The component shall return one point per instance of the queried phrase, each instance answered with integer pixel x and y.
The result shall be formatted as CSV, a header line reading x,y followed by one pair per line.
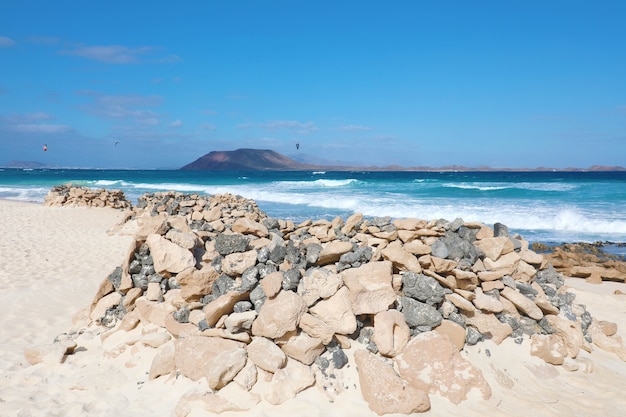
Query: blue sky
x,y
412,83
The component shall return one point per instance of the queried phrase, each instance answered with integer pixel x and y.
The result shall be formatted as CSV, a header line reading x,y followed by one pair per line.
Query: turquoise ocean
x,y
548,207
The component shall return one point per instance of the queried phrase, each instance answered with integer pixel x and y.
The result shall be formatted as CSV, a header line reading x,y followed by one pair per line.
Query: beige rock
x,y
370,287
542,300
487,303
169,257
266,355
417,247
247,226
196,283
242,337
289,381
236,263
401,259
279,315
491,275
156,339
303,348
351,223
524,272
391,333
316,328
494,247
409,224
612,344
178,329
153,293
524,304
318,283
131,296
272,284
484,232
336,312
222,305
454,331
186,240
608,328
247,377
489,326
531,257
569,331
383,389
163,362
442,266
431,362
549,347
460,302
215,358
332,251
507,263
104,304
52,353
238,322
492,285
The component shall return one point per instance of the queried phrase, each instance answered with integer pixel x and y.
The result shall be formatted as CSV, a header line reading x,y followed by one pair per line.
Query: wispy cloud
x,y
176,123
6,42
114,54
41,128
207,126
36,122
355,128
39,116
125,107
43,40
169,59
291,125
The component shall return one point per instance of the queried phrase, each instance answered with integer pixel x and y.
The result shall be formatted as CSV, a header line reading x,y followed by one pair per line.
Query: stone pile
x,y
234,297
70,195
587,261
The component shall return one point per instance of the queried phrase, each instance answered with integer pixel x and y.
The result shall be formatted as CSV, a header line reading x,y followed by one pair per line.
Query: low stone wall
x,y
238,294
76,196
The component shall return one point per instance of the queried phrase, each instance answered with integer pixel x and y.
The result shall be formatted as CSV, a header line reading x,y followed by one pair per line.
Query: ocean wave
x,y
531,186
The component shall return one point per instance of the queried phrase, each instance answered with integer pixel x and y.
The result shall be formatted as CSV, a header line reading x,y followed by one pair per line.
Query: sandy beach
x,y
53,259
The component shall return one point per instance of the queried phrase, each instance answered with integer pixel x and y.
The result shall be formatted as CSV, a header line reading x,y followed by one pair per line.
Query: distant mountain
x,y
24,164
267,160
246,160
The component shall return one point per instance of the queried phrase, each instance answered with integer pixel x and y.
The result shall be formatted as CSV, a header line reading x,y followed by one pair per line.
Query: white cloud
x,y
291,125
131,106
6,42
176,123
41,128
39,116
207,126
112,54
354,128
43,40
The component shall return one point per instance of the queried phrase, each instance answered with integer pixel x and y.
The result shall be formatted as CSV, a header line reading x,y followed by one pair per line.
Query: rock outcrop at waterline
x,y
69,195
229,296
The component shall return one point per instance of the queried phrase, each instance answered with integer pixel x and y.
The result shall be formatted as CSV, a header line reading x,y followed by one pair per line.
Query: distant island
x,y
268,160
248,159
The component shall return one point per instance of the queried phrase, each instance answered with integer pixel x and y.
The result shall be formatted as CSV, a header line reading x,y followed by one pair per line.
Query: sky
x,y
138,84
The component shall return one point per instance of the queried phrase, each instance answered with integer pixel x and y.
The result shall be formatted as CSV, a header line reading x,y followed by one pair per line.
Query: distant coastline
x,y
268,160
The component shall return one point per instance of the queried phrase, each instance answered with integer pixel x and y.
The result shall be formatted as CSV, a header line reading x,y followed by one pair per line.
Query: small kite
x,y
116,143
297,146
45,147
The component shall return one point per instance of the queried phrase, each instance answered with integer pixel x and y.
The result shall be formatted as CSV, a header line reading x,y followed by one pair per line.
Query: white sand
x,y
53,259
